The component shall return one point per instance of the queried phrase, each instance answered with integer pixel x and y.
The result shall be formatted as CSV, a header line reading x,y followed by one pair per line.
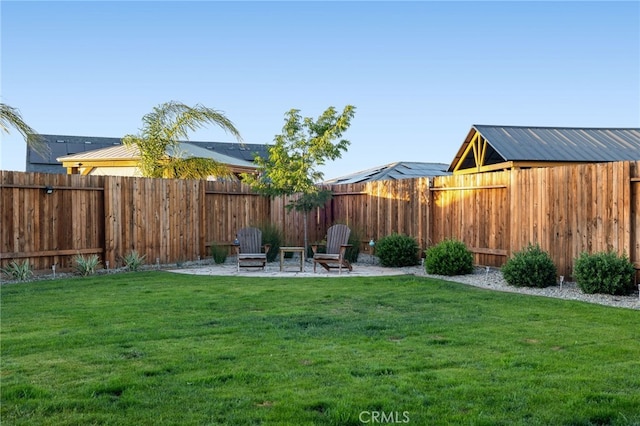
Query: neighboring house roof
x,y
246,151
118,152
394,171
489,148
64,145
125,156
190,150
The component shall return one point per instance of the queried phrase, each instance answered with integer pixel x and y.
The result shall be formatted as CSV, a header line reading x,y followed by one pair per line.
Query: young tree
x,y
292,165
164,127
10,117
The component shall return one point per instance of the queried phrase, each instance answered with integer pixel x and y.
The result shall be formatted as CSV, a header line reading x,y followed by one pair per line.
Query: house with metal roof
x,y
394,171
122,160
490,148
85,149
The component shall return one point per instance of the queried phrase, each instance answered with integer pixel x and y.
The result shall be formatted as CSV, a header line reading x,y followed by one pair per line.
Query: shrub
x,y
351,254
449,257
531,267
86,265
397,250
272,235
133,261
604,273
18,271
219,253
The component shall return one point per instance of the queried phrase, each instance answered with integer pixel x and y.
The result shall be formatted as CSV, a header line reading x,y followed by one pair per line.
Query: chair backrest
x,y
250,240
337,235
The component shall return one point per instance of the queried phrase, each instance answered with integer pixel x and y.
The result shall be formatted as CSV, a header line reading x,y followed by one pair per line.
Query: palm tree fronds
x,y
10,117
194,168
164,127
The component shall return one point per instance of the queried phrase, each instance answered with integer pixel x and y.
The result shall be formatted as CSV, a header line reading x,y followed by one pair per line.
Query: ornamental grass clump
x,y
271,235
605,273
86,265
352,252
397,250
449,257
531,267
133,261
18,271
219,253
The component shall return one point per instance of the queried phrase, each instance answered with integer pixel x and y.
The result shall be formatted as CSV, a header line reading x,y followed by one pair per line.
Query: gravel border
x,y
491,278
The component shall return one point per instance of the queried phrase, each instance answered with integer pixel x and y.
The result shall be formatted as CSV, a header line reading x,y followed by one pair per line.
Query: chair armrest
x,y
343,248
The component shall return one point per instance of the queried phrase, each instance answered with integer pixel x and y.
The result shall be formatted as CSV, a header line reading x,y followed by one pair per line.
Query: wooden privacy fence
x,y
566,209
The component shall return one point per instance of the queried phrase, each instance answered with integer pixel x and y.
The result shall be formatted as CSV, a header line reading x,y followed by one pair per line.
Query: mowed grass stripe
x,y
162,348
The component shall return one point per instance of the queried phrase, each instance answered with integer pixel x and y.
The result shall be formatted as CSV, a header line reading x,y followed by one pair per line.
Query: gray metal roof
x,y
65,145
516,143
190,150
183,150
246,151
394,171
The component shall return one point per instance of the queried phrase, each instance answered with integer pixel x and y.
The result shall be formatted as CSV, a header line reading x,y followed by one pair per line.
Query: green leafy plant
x,y
397,250
219,253
604,272
530,267
133,261
162,131
292,166
86,265
351,254
449,257
271,235
18,271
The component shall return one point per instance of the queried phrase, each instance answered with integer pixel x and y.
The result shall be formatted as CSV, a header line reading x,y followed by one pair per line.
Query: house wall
x,y
115,171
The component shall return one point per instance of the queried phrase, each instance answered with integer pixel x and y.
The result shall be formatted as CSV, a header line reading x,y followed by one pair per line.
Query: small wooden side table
x,y
284,250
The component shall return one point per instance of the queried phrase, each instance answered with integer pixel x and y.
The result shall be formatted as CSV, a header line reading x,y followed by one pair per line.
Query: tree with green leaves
x,y
10,117
164,128
292,165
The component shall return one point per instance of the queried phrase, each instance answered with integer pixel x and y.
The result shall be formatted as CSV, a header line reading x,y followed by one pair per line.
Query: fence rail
x,y
566,209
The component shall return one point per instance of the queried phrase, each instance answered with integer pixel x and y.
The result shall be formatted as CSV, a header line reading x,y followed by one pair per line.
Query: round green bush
x,y
531,267
604,273
449,257
397,250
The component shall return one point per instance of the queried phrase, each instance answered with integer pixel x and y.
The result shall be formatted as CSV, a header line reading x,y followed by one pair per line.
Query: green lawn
x,y
155,348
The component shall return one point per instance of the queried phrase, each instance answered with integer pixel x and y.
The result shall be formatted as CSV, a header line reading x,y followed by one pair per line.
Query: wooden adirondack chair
x,y
337,244
249,249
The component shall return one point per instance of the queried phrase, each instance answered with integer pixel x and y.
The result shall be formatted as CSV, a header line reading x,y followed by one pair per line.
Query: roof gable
x,y
487,146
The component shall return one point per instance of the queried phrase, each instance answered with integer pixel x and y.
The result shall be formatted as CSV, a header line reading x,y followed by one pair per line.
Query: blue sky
x,y
419,73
